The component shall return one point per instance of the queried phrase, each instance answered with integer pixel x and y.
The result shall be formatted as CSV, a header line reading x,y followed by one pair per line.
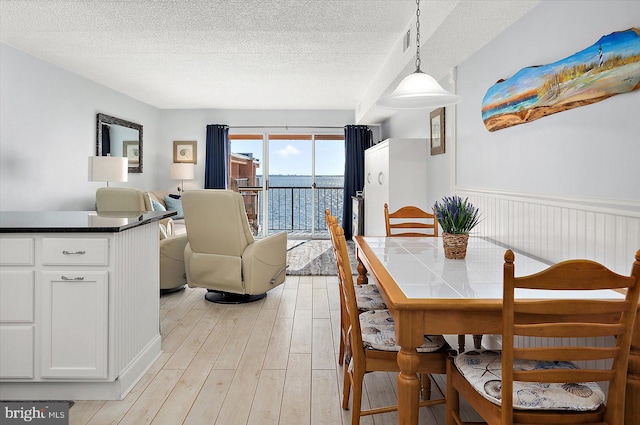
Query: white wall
x,y
566,185
48,131
191,125
589,151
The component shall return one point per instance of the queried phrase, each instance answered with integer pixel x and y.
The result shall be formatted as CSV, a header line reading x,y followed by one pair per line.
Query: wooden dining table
x,y
427,293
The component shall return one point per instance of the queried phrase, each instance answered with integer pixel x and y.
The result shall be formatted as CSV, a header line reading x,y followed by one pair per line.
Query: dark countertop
x,y
76,221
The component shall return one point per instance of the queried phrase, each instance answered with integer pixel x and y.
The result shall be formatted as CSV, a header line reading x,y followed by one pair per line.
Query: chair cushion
x,y
378,333
483,370
368,298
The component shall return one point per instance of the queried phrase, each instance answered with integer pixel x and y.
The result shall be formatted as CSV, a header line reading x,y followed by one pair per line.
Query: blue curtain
x,y
357,138
216,157
106,140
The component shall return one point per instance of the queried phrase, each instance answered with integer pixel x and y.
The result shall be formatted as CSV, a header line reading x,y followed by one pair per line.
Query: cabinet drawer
x,y
16,352
16,296
16,251
75,251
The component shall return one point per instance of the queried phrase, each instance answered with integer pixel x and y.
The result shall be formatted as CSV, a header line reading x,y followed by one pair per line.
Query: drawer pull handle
x,y
73,253
72,278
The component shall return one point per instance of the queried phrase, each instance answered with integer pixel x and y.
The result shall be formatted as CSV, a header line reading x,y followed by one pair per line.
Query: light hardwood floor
x,y
269,362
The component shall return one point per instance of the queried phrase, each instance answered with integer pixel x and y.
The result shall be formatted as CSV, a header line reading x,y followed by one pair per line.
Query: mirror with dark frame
x,y
117,137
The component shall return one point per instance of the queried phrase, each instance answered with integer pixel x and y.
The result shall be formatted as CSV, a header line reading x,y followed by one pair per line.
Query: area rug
x,y
315,258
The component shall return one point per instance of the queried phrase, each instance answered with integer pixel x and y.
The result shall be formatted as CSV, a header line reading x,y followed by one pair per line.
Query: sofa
x,y
178,223
172,244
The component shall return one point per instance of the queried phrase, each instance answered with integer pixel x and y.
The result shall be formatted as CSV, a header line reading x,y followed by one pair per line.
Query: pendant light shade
x,y
416,91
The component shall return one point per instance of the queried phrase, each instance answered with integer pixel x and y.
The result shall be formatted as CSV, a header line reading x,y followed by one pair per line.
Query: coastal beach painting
x,y
609,67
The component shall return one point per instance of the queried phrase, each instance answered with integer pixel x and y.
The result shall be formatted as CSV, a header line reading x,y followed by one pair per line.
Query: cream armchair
x,y
172,273
222,255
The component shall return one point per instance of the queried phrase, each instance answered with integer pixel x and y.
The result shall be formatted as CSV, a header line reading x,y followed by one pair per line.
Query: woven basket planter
x,y
455,245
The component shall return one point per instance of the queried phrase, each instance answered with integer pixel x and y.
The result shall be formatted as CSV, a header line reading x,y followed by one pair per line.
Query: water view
x,y
292,204
295,207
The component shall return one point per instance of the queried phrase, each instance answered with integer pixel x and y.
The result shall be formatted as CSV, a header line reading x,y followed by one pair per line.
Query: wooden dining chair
x,y
373,347
368,296
410,221
543,385
422,224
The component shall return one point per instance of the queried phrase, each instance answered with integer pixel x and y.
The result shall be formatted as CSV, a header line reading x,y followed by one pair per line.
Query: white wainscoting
x,y
561,228
135,294
556,229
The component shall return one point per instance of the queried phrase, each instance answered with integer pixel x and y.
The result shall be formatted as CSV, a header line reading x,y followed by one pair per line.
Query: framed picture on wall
x,y
131,150
437,131
185,152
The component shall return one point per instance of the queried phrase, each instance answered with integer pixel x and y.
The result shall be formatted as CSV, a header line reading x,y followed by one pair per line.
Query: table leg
x,y
408,387
477,342
461,342
631,412
362,273
409,336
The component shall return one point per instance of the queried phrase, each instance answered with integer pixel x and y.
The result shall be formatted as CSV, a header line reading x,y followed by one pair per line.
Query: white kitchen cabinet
x,y
75,320
17,307
16,351
395,173
79,304
16,296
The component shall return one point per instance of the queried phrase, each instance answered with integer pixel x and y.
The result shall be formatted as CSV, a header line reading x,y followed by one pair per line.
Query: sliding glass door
x,y
328,178
288,180
290,183
245,176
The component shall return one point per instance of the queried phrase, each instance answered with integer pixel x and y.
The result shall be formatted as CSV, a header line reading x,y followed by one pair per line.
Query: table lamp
x,y
182,171
108,168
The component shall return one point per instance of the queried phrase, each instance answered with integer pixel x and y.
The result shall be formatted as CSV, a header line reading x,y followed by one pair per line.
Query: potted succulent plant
x,y
457,217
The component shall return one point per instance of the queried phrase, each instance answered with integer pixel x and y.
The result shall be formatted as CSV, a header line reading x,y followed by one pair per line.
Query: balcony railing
x,y
297,210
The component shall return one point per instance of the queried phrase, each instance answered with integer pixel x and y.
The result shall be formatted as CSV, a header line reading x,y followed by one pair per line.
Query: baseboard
x,y
139,366
86,390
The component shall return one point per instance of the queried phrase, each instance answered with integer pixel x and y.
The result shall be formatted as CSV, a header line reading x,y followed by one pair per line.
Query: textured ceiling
x,y
278,54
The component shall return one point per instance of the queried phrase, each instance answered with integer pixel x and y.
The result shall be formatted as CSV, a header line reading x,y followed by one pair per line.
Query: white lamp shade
x,y
182,171
418,91
108,169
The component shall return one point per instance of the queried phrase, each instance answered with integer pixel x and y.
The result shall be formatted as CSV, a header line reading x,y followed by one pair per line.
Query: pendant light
x,y
418,90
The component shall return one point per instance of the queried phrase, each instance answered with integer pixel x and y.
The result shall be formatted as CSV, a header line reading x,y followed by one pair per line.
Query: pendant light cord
x,y
418,36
